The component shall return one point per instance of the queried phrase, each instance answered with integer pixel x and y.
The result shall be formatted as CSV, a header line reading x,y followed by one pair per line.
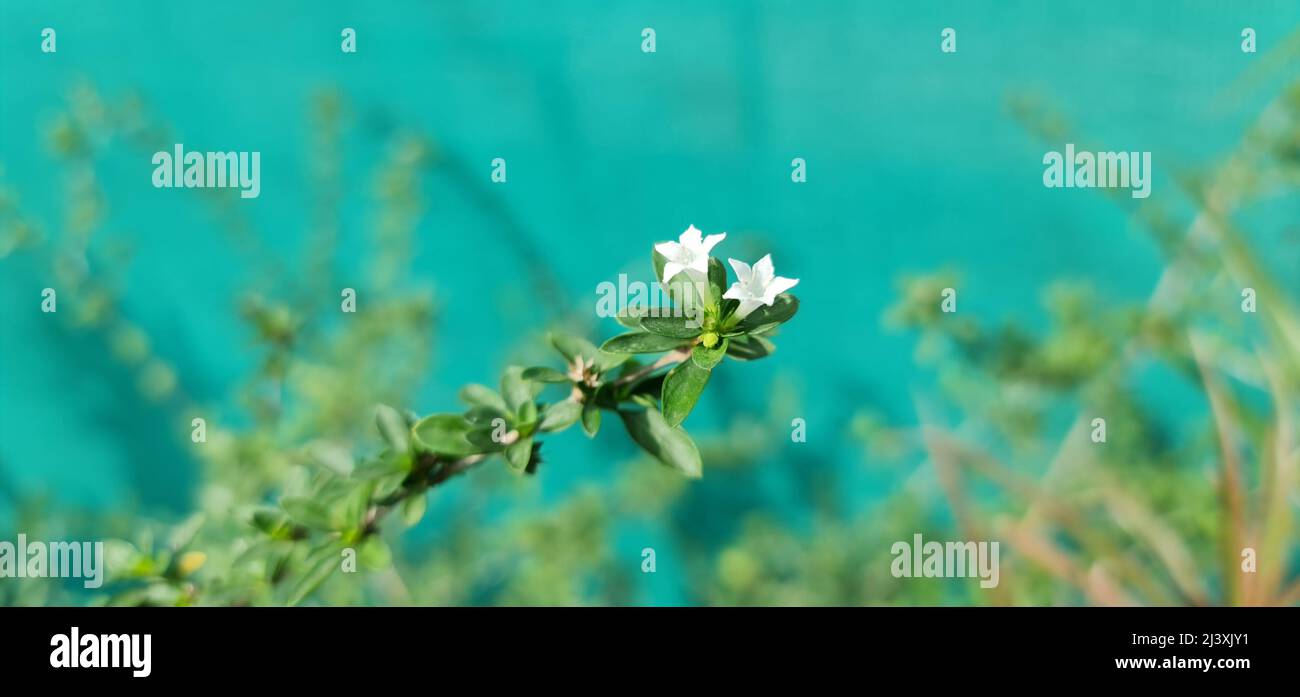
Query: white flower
x,y
758,285
688,253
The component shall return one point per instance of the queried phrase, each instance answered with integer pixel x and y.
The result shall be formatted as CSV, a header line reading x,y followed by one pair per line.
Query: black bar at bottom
x,y
257,647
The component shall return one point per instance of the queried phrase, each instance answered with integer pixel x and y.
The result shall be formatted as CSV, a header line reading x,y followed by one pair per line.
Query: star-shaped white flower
x,y
757,285
688,253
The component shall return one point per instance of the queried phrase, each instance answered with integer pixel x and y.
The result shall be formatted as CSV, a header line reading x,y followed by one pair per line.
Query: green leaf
x,y
750,348
572,347
383,465
527,413
185,533
517,390
413,508
331,456
483,396
486,438
518,453
393,427
482,416
374,554
348,508
321,566
717,279
631,318
728,307
669,444
682,388
659,261
270,521
444,434
766,317
544,374
606,361
707,358
590,418
674,327
560,416
388,485
641,342
307,512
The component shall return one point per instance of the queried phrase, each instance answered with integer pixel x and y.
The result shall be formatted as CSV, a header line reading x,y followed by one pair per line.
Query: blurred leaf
x,y
320,567
674,327
750,348
590,418
632,317
483,438
670,445
393,427
606,361
641,342
269,520
483,416
183,534
518,454
331,456
768,316
544,374
482,396
560,416
707,358
307,512
413,508
681,389
527,413
572,347
717,278
374,553
517,390
444,434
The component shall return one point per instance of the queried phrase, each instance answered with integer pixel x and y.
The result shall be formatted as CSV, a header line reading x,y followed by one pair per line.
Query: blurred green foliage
x,y
1158,514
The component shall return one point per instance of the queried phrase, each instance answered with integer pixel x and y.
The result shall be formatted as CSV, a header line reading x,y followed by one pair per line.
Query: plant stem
x,y
673,358
381,508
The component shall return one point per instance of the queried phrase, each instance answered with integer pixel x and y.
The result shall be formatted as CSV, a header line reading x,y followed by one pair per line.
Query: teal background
x,y
913,166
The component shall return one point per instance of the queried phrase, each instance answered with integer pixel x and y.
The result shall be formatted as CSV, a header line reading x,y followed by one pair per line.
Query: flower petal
x,y
743,271
670,250
712,240
781,284
671,269
690,237
746,307
763,271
